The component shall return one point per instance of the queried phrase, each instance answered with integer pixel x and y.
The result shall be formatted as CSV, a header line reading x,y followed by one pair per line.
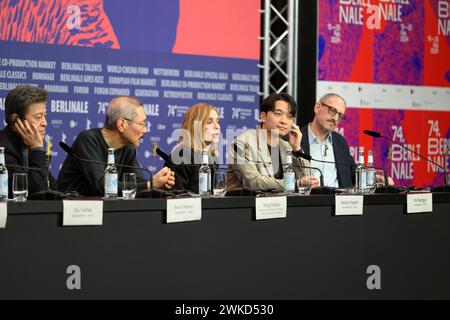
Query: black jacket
x,y
15,150
186,174
345,170
88,178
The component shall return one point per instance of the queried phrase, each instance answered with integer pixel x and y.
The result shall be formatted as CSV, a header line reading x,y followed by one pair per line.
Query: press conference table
x,y
311,254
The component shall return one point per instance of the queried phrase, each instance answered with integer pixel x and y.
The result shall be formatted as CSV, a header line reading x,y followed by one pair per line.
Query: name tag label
x,y
181,210
349,205
271,208
3,214
82,213
418,203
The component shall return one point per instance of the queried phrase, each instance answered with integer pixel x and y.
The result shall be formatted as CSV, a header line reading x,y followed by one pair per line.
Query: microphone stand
x,y
47,194
318,190
445,187
152,193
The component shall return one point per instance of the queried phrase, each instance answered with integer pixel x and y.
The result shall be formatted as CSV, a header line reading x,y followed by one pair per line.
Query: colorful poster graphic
x,y
168,53
390,61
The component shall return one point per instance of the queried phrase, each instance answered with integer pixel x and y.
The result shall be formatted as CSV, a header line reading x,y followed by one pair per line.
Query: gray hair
x,y
326,97
121,107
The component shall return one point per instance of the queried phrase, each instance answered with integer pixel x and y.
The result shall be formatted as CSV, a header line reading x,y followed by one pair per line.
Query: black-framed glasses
x,y
142,124
332,111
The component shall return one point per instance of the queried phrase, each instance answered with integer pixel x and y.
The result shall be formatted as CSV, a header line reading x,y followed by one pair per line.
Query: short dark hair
x,y
268,104
20,98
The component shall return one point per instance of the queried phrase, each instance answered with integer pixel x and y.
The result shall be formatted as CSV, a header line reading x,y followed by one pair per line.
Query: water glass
x,y
220,184
304,183
129,186
20,187
379,178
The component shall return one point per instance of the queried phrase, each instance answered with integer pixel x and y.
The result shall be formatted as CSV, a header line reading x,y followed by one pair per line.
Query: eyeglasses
x,y
141,124
332,111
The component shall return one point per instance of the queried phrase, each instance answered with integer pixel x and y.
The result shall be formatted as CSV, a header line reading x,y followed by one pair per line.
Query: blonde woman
x,y
200,133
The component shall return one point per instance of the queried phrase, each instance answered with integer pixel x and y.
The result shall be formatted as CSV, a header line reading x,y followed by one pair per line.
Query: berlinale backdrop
x,y
168,53
391,61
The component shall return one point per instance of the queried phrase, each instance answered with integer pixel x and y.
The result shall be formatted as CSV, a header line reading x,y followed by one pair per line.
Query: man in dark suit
x,y
23,137
322,142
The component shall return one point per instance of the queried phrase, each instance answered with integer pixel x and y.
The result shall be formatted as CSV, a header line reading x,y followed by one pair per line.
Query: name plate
x,y
349,205
3,214
418,203
82,213
271,207
181,210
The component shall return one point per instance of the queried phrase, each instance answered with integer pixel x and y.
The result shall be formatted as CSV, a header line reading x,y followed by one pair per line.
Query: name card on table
x,y
82,213
3,214
349,205
181,210
420,202
271,207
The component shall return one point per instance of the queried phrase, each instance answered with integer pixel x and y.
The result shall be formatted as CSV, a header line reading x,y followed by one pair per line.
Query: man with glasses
x,y
323,143
124,129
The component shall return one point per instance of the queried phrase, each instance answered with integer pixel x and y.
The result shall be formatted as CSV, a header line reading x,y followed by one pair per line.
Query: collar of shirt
x,y
313,139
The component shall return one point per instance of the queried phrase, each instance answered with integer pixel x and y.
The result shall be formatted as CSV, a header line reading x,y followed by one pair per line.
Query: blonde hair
x,y
197,113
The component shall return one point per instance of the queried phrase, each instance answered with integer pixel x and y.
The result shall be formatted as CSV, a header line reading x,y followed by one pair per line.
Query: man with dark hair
x,y
124,128
256,156
23,137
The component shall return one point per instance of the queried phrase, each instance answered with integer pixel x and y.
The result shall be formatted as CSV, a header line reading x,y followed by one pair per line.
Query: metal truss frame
x,y
279,47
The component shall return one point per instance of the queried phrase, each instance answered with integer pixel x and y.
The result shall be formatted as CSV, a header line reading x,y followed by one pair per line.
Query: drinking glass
x,y
379,178
304,183
129,186
20,187
220,184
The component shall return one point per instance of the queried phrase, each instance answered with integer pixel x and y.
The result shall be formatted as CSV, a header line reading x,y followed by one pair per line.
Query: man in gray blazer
x,y
256,157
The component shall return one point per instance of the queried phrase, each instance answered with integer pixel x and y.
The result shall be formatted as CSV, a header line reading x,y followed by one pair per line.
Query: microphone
x,y
323,189
309,158
163,155
23,167
303,155
72,153
444,188
385,189
296,154
372,133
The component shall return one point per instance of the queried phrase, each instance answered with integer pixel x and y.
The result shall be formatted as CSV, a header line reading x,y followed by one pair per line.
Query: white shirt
x,y
323,151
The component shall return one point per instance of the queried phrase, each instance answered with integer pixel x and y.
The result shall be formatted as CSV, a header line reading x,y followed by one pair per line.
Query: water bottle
x,y
111,182
289,174
370,172
361,173
3,176
204,176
